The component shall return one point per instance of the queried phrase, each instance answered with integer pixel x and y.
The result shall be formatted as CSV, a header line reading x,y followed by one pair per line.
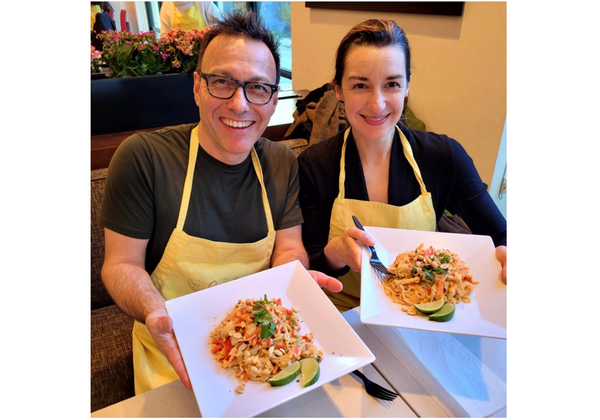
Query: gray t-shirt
x,y
145,181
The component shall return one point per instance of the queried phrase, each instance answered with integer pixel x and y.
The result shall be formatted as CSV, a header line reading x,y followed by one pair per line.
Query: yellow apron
x,y
188,20
94,10
190,264
417,215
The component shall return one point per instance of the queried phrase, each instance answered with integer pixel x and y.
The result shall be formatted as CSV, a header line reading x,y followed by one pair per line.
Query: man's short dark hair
x,y
246,25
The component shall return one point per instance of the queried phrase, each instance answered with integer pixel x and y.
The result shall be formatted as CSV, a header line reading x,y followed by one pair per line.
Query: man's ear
x,y
196,88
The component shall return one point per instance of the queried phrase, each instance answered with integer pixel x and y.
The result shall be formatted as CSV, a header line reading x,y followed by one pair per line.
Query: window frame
x,y
152,21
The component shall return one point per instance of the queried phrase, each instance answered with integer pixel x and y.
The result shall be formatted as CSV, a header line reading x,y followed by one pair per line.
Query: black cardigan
x,y
447,170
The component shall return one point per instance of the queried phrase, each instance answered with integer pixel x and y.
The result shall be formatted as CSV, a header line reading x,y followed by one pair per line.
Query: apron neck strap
x,y
411,159
407,153
265,198
342,178
189,180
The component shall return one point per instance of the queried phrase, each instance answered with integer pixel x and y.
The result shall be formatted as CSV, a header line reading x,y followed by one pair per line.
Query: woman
x,y
187,15
379,170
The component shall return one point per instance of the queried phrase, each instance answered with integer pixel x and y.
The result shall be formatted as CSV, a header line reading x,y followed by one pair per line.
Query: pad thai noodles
x,y
427,274
258,338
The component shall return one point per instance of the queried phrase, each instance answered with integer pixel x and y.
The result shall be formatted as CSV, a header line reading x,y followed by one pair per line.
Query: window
x,y
275,14
277,17
153,12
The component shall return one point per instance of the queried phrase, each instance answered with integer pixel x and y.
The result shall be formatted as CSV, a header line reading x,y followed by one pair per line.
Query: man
x,y
193,206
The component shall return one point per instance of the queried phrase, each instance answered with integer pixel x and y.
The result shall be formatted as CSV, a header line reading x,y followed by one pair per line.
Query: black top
x,y
447,170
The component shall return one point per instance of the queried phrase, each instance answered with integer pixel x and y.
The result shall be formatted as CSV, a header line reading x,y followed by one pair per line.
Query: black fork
x,y
374,260
375,390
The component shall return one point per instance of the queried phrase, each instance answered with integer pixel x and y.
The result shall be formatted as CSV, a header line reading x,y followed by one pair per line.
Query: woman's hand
x,y
501,256
346,249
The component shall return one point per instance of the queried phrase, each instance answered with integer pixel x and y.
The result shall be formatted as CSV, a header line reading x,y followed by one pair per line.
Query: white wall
x,y
130,14
458,83
459,68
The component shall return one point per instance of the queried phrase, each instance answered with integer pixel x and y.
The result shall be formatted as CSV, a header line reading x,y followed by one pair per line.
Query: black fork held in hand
x,y
374,260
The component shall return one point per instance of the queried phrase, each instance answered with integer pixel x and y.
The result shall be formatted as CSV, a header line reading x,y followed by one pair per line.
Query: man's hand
x,y
501,256
160,326
323,280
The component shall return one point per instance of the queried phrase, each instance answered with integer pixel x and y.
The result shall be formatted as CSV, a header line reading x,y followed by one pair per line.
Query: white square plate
x,y
196,315
485,316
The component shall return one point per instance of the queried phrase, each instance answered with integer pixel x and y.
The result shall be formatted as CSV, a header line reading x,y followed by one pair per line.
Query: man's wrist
x,y
156,313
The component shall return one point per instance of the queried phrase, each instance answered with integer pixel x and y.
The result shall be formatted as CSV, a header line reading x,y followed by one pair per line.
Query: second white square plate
x,y
485,316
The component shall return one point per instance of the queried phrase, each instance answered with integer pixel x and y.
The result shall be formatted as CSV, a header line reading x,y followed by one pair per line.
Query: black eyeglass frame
x,y
206,76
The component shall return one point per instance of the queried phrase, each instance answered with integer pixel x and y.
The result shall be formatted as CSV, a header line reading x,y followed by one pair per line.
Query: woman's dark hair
x,y
246,25
375,33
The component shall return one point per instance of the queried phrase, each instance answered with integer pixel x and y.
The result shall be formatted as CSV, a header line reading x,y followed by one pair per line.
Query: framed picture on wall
x,y
451,8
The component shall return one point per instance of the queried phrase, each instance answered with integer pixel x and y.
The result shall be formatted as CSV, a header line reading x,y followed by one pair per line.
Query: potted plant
x,y
137,75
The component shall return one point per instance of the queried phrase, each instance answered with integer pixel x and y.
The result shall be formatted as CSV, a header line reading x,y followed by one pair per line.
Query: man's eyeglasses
x,y
223,87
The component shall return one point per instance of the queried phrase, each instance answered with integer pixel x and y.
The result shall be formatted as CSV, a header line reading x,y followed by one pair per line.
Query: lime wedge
x,y
287,375
444,314
310,372
430,307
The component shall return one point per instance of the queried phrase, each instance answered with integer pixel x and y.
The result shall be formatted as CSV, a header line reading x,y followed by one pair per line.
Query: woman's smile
x,y
375,120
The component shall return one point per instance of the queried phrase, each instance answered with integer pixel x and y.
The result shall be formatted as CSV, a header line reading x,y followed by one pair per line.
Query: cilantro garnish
x,y
430,276
263,318
429,271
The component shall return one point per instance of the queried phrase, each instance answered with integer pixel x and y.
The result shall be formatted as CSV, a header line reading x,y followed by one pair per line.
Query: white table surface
x,y
396,367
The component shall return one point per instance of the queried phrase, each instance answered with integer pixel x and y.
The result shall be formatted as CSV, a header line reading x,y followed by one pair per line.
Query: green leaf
x,y
429,275
124,53
264,317
259,308
267,330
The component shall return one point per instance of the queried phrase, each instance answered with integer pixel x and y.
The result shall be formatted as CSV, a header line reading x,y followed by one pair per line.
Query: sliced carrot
x,y
440,289
252,335
241,317
227,347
